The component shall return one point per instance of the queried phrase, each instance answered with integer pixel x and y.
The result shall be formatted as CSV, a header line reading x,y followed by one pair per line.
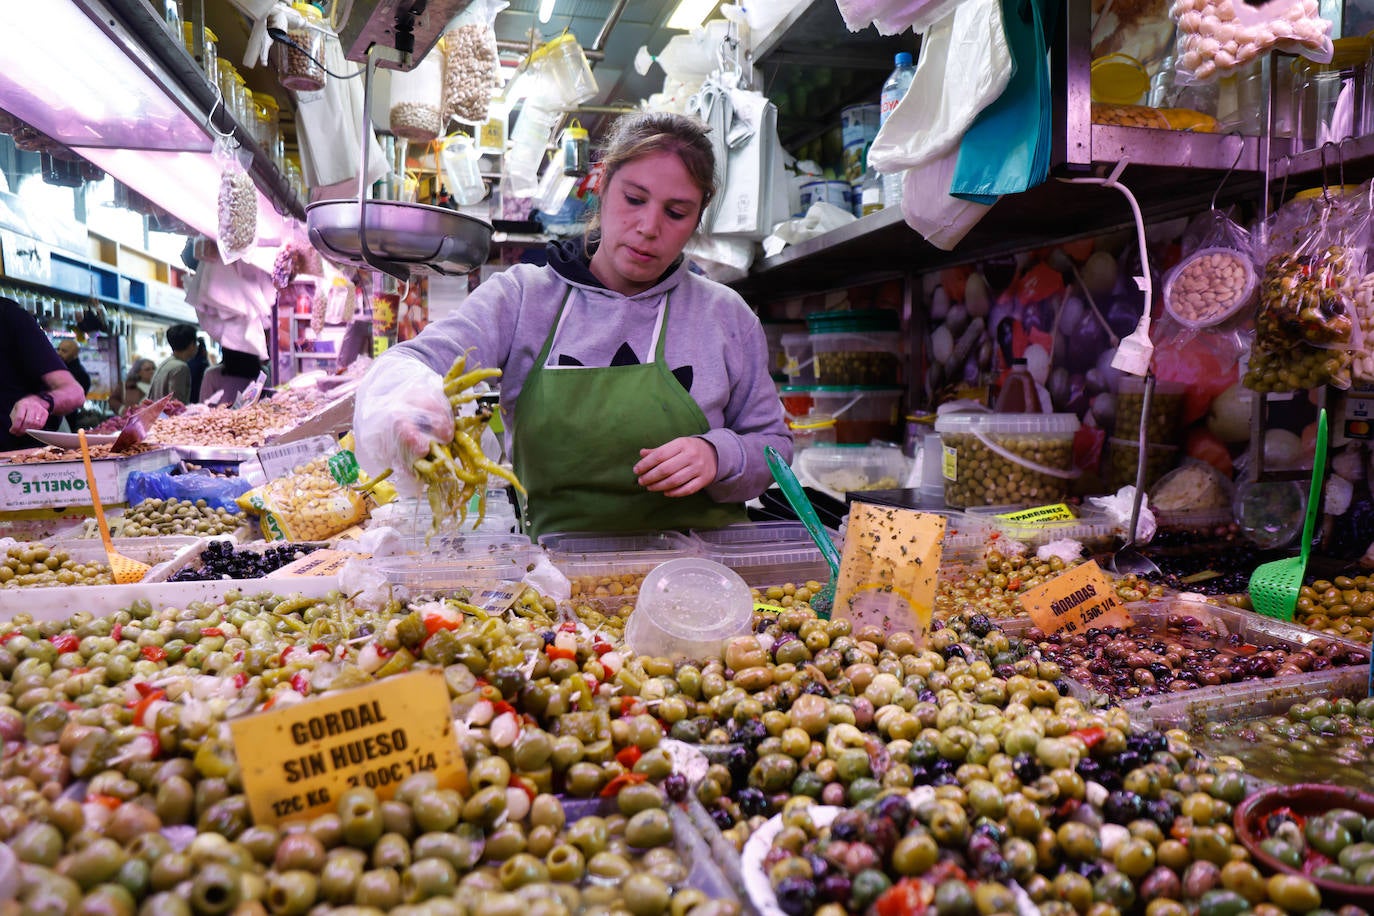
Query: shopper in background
x,y
135,387
229,377
174,375
198,364
637,391
34,382
70,351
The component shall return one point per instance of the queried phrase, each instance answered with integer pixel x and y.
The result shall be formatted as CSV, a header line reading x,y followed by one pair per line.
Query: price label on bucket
x,y
1040,515
1074,601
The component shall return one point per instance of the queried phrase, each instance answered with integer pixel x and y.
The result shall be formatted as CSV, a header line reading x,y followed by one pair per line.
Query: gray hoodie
x,y
714,345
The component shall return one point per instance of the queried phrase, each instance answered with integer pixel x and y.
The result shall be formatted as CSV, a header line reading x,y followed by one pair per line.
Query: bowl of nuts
x,y
1209,286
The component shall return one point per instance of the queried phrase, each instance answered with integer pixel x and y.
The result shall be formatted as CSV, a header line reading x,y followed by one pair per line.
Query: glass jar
x,y
244,111
269,126
1332,100
210,51
226,81
300,68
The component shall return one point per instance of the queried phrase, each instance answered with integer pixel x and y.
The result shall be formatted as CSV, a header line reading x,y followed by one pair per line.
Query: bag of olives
x,y
1011,459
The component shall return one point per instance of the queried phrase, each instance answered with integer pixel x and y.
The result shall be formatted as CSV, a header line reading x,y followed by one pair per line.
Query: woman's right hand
x,y
401,410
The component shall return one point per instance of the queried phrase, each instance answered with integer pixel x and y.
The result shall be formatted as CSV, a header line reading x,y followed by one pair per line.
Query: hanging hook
x,y
210,116
1240,150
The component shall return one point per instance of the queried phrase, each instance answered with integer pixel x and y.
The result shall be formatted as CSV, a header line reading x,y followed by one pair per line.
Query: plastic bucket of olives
x,y
1166,410
1123,457
1012,459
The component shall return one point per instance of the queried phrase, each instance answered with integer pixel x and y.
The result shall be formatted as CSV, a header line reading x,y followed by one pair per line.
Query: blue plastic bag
x,y
218,492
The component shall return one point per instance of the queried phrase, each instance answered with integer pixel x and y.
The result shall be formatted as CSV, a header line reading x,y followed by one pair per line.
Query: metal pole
x,y
611,19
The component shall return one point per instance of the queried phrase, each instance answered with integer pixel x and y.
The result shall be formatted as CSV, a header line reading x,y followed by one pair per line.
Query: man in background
x,y
174,375
70,351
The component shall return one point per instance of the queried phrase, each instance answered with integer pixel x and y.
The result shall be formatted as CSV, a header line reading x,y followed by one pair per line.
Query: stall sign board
x,y
1074,601
298,760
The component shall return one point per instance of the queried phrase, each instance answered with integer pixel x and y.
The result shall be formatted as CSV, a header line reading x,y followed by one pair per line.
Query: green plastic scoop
x,y
1274,587
823,601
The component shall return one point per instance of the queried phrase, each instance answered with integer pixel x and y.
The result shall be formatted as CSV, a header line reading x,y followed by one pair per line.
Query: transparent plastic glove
x,y
401,409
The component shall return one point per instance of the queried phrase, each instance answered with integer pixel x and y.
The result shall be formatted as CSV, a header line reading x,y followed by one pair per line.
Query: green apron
x,y
577,436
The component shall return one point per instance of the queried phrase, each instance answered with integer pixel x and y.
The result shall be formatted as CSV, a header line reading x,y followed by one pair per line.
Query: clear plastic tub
x,y
846,468
1123,458
858,358
565,64
967,537
1166,410
991,459
689,608
471,569
764,553
609,568
861,414
1236,629
799,360
1209,286
1092,528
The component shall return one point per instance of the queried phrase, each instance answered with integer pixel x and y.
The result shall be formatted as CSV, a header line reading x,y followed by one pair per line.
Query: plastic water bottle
x,y
896,86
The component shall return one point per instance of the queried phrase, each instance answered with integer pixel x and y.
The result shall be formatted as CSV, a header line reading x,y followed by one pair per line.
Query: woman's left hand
x,y
677,468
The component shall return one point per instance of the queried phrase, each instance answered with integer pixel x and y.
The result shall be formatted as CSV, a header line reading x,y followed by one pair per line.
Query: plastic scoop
x,y
140,420
125,570
1274,587
824,600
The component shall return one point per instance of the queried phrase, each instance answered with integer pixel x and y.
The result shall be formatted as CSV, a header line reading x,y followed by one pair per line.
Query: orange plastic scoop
x,y
124,569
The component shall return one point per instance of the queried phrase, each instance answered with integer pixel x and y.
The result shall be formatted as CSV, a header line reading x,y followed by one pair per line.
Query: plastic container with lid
x,y
1123,458
1118,79
851,468
764,553
300,68
799,361
1317,88
1209,286
482,560
609,568
564,63
993,459
689,608
209,58
811,429
862,413
856,348
1092,527
1165,423
269,123
776,332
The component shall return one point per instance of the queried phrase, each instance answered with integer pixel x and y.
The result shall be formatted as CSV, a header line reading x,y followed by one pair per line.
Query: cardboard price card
x,y
1075,600
887,572
297,761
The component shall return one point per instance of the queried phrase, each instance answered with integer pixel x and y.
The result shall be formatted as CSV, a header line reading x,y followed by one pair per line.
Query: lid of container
x,y
868,320
1335,190
266,100
210,35
841,389
903,59
795,337
309,11
1118,79
1001,423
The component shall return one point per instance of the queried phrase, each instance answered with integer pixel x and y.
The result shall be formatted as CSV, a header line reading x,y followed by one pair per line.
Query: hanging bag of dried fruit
x,y
1216,37
238,202
471,67
416,100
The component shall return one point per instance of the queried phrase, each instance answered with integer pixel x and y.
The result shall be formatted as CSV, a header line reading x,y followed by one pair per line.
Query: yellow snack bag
x,y
312,503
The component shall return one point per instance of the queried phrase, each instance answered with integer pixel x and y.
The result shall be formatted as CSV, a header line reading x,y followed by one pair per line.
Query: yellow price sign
x,y
297,761
1039,515
1075,600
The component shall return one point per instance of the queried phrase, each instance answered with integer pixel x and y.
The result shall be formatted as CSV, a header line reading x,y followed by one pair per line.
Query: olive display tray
x,y
1238,703
1254,628
712,863
87,530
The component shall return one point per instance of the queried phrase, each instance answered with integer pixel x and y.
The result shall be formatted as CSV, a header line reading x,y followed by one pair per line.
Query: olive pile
x,y
1143,661
984,478
120,807
1296,368
35,565
1166,413
154,517
1337,845
222,560
857,367
991,586
1324,740
1341,607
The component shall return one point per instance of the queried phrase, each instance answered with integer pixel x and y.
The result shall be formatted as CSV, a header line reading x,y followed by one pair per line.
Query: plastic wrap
x,y
312,503
471,65
417,100
1215,37
400,410
238,203
218,492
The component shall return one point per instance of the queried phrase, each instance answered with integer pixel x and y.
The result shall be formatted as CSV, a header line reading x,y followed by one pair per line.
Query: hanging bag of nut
x,y
238,202
471,67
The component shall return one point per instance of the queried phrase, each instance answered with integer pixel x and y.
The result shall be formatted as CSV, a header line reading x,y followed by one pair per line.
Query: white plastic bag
x,y
890,17
400,407
941,218
238,203
965,64
1118,508
819,219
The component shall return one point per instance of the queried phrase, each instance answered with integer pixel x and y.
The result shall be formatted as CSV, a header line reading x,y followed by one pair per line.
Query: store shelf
x,y
182,76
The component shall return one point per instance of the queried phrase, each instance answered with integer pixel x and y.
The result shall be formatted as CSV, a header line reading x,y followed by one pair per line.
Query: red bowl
x,y
1306,799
